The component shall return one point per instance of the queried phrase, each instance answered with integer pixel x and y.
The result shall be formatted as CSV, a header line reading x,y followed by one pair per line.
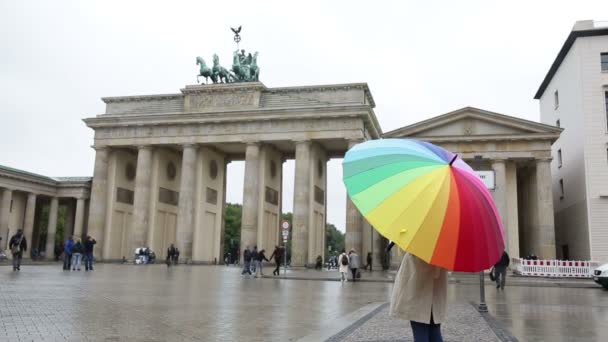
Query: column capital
x,y
302,141
499,160
100,148
144,147
543,159
353,142
189,145
252,142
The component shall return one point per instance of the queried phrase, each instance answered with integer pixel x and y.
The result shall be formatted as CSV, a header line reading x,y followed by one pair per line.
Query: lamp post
x,y
482,307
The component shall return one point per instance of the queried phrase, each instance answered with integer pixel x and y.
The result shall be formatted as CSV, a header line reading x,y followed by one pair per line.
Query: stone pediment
x,y
469,123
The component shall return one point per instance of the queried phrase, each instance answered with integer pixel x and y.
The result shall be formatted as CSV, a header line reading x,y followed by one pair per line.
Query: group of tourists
x,y
74,252
253,260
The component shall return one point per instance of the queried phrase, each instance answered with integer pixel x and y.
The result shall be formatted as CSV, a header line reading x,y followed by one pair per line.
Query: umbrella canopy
x,y
426,200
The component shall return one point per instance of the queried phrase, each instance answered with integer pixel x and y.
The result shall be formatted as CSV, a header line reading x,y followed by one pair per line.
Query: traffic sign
x,y
285,225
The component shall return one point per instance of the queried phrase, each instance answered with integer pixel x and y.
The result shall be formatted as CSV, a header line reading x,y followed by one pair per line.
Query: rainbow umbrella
x,y
426,200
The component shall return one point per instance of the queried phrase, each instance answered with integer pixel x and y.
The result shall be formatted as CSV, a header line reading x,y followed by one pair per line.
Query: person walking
x,y
369,261
354,263
67,253
260,259
89,244
77,251
500,270
17,245
171,255
278,255
419,295
176,258
343,261
254,258
246,261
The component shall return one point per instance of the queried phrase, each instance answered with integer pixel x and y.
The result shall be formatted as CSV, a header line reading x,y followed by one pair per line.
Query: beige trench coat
x,y
419,288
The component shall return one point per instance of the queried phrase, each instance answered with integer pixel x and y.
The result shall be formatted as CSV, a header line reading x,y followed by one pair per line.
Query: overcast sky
x,y
420,59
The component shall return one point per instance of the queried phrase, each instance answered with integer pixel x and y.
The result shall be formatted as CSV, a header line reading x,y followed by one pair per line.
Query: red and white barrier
x,y
554,268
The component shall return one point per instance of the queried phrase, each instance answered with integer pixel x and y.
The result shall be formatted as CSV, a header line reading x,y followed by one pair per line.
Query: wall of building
x,y
119,224
269,213
17,214
596,141
163,221
209,193
570,211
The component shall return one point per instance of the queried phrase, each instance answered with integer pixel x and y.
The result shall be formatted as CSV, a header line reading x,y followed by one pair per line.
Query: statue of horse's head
x,y
200,60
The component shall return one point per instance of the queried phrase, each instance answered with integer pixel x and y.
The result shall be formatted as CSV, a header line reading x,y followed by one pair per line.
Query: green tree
x,y
232,228
334,240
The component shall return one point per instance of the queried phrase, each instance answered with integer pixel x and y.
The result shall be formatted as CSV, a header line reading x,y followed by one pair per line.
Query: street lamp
x,y
482,307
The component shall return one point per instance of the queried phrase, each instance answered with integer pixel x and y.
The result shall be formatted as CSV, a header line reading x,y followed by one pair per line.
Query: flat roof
x,y
584,28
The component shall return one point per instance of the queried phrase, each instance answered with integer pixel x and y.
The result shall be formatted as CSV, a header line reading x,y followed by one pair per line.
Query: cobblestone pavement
x,y
213,303
463,323
151,303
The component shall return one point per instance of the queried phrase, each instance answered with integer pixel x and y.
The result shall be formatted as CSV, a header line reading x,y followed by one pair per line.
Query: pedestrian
x,y
246,261
419,295
500,270
277,254
343,261
354,262
17,244
171,255
77,251
369,261
259,260
67,253
89,244
176,258
254,258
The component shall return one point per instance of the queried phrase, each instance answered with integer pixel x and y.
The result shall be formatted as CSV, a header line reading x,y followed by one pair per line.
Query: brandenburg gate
x,y
161,160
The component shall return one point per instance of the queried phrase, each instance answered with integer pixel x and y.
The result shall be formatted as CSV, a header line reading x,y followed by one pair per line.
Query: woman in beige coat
x,y
419,295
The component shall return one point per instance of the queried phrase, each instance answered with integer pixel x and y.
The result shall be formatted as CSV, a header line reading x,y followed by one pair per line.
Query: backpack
x,y
17,247
344,260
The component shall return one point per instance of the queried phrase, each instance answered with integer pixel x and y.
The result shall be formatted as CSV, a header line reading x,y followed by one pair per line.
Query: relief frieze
x,y
203,102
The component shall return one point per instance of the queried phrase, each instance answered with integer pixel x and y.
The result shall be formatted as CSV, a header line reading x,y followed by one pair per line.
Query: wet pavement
x,y
213,303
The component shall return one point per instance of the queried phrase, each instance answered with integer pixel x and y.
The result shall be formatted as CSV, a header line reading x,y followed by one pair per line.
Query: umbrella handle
x,y
453,159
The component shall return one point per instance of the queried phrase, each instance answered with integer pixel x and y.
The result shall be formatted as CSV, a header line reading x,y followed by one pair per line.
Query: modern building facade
x,y
574,96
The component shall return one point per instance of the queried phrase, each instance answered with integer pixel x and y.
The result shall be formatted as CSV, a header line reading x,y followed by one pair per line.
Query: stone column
x,y
500,193
185,213
98,201
546,224
141,201
28,223
249,218
354,221
5,215
79,218
301,205
51,229
512,228
223,224
68,227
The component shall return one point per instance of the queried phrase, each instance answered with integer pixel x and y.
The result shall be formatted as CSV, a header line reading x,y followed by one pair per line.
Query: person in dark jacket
x,y
17,244
369,261
261,257
89,244
500,270
254,258
77,252
67,253
277,254
246,261
171,252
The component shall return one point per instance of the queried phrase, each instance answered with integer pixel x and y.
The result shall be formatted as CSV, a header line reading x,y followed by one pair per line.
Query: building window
x,y
604,61
558,123
559,158
606,103
561,189
556,99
